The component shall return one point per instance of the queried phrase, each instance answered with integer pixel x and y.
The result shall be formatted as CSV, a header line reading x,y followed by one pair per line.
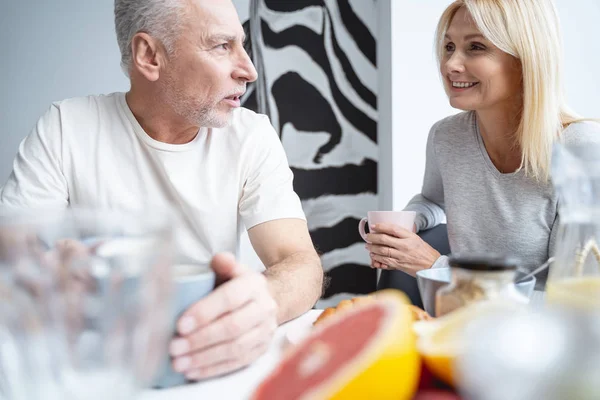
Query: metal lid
x,y
484,262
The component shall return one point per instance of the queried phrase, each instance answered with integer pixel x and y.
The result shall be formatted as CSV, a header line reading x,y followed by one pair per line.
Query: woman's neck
x,y
498,128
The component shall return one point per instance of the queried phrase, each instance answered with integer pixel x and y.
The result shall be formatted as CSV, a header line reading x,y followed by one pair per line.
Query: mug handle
x,y
361,229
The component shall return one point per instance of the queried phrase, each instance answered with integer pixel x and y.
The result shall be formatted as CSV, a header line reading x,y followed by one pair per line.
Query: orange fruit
x,y
367,352
343,306
439,352
442,340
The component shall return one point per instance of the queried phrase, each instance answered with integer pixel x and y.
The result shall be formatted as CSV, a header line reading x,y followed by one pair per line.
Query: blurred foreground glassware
x,y
545,354
574,279
84,303
477,278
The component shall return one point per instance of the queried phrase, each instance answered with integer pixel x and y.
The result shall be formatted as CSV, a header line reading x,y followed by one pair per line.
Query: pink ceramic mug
x,y
404,219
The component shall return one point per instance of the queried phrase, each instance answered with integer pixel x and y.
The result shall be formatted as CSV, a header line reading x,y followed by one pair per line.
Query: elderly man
x,y
179,138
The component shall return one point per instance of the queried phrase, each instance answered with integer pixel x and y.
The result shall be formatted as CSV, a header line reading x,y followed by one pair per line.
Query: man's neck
x,y
498,128
158,121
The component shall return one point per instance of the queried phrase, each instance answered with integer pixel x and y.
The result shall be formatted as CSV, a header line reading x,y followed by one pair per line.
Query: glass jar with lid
x,y
478,278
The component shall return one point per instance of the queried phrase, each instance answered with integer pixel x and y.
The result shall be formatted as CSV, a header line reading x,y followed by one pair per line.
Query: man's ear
x,y
147,57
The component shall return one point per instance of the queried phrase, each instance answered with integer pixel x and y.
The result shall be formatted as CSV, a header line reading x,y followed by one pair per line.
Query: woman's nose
x,y
455,63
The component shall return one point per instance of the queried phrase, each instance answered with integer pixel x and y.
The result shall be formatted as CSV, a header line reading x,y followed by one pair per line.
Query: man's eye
x,y
223,46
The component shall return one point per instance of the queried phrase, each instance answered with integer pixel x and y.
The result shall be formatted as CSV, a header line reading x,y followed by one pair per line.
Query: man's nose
x,y
245,69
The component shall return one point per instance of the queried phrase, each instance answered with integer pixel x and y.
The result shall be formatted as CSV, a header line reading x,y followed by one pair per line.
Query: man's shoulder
x,y
86,109
77,120
62,114
87,103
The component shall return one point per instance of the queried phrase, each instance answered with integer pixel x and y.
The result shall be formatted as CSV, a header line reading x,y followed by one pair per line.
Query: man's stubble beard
x,y
193,110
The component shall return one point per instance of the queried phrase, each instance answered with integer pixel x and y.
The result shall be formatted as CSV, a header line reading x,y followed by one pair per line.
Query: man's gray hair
x,y
158,18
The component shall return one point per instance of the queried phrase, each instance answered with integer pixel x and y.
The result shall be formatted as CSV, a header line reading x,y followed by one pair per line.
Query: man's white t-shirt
x,y
92,152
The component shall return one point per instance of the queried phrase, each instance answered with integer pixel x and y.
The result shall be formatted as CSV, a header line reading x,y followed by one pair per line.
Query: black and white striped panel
x,y
318,83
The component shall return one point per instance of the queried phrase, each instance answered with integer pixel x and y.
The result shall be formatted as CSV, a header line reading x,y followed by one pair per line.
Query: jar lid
x,y
487,262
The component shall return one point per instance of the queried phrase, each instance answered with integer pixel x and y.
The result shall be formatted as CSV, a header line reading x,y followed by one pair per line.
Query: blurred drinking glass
x,y
84,302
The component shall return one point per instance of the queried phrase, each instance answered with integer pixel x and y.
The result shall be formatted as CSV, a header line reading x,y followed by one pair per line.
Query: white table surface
x,y
240,384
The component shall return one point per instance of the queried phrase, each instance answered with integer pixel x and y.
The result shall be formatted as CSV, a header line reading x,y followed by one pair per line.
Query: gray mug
x,y
191,283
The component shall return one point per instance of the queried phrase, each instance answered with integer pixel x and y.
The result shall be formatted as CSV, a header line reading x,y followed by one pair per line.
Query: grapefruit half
x,y
368,352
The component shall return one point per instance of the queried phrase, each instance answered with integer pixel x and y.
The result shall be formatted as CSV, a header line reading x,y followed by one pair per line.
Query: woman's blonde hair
x,y
529,31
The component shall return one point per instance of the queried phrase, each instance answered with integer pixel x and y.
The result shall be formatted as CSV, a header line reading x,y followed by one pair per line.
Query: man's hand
x,y
229,328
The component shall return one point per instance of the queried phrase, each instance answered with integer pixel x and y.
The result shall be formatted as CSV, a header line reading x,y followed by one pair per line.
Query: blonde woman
x,y
487,169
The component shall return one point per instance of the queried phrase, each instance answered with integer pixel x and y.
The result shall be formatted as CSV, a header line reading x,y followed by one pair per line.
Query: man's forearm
x,y
296,284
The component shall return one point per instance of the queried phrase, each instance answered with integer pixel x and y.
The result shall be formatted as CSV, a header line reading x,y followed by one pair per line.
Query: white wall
x,y
417,97
51,50
65,48
385,122
580,22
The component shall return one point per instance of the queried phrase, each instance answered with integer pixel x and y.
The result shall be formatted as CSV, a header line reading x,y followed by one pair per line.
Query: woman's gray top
x,y
488,211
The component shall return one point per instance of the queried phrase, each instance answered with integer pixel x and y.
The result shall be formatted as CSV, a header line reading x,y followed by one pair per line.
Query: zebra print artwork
x,y
316,61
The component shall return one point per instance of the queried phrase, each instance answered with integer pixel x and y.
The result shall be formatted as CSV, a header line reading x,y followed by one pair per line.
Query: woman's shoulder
x,y
460,121
581,132
453,127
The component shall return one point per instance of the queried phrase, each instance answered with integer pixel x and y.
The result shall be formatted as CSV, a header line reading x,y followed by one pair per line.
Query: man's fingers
x,y
229,365
227,328
225,351
224,299
71,249
226,267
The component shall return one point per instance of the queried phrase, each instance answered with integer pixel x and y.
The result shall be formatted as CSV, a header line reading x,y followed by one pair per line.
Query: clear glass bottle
x,y
574,279
478,278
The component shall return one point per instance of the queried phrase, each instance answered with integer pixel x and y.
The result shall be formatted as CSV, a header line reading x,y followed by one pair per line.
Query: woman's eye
x,y
477,47
449,47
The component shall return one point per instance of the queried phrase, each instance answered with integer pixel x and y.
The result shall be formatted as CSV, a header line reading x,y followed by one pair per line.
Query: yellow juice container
x,y
580,292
